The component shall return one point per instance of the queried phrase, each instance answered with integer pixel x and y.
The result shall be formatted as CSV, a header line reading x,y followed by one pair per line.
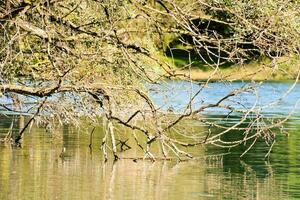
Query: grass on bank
x,y
281,69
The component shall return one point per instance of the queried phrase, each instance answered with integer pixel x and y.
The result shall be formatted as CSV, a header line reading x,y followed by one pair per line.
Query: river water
x,y
36,171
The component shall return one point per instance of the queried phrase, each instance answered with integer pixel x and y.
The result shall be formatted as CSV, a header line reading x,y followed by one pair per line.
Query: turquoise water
x,y
271,97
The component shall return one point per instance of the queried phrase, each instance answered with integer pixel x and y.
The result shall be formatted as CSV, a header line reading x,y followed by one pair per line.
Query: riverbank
x,y
284,69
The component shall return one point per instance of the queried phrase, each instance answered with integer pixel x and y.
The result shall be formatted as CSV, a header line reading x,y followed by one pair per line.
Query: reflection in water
x,y
37,172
